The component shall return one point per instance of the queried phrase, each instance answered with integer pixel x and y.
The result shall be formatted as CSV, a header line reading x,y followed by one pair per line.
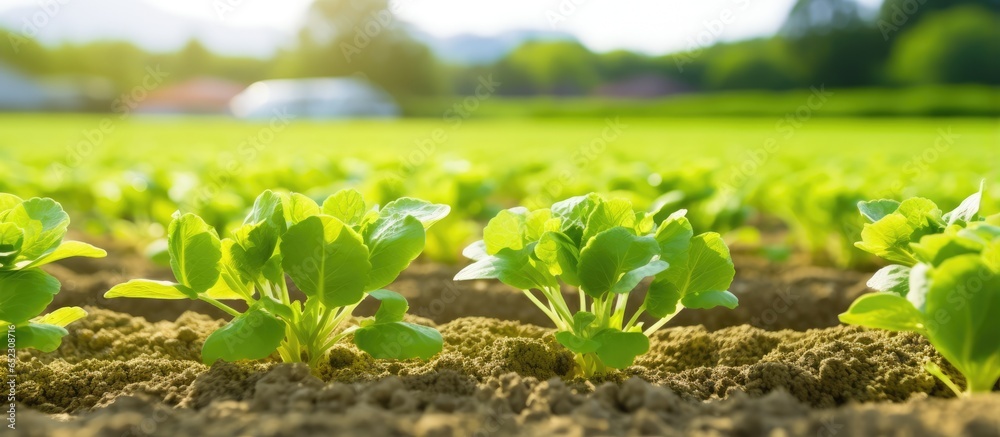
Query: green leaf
x,y
43,337
62,316
8,202
25,294
512,267
272,270
560,255
506,231
919,285
346,205
874,210
147,289
394,241
991,255
662,298
69,249
888,238
538,222
399,341
222,290
701,280
576,343
44,224
425,212
894,278
582,320
475,251
887,311
936,248
644,223
252,246
710,299
230,278
609,214
922,215
632,278
967,210
276,307
674,234
980,232
610,255
11,241
575,211
674,237
392,306
710,267
268,208
253,335
298,207
327,260
195,251
618,349
962,323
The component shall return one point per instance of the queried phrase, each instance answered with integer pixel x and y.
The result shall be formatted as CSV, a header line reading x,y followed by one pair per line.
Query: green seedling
x,y
944,285
32,234
337,254
603,249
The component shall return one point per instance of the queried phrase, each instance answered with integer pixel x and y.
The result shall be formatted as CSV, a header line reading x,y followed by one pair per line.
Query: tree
x,y
556,67
960,45
833,43
345,37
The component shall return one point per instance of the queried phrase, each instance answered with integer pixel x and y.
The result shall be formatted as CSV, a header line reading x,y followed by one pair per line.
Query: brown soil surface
x,y
120,375
779,365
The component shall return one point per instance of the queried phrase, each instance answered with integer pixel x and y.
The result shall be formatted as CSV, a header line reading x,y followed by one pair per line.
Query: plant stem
x,y
635,317
659,324
935,370
219,305
544,309
556,298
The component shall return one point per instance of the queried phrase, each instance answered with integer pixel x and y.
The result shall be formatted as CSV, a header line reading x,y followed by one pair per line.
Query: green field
x,y
125,175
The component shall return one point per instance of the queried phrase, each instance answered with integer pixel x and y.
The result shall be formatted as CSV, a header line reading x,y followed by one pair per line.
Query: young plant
x,y
945,284
32,235
336,254
604,249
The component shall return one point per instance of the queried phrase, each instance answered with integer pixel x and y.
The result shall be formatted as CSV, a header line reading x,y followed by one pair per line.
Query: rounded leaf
x,y
399,340
253,335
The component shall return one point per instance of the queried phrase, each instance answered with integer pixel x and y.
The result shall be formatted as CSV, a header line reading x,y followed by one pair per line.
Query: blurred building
x,y
323,98
20,93
643,87
203,95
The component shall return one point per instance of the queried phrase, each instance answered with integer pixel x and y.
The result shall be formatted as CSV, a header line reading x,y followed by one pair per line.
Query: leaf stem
x,y
932,368
229,310
659,324
552,316
635,317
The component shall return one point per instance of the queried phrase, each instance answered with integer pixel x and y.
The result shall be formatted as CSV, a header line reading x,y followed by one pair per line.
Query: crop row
x,y
817,204
944,282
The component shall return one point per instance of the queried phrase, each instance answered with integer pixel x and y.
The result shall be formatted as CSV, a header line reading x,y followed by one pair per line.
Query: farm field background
x,y
125,176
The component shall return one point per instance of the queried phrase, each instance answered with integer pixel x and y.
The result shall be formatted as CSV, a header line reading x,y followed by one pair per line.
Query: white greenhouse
x,y
318,98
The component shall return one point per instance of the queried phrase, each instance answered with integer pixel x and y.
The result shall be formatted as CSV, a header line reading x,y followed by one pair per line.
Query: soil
x,y
780,365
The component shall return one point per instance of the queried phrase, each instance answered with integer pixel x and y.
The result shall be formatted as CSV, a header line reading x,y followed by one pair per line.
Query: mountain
x,y
138,22
146,25
470,49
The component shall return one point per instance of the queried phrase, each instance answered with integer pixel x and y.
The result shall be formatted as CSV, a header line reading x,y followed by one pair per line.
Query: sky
x,y
650,26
